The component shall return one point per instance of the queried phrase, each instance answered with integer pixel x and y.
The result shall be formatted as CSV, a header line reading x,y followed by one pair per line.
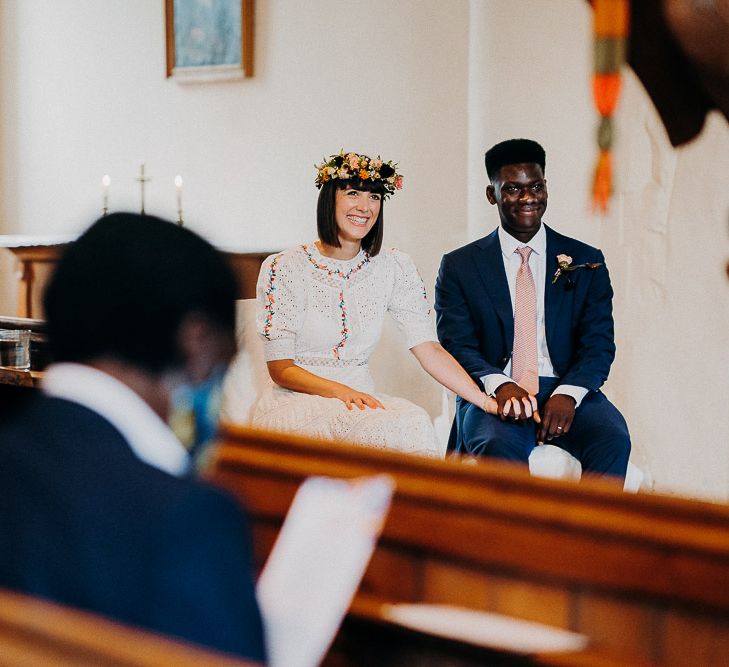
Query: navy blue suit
x,y
84,522
476,325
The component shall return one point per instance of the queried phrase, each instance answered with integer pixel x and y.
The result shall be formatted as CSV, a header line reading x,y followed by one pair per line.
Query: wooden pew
x,y
645,577
37,632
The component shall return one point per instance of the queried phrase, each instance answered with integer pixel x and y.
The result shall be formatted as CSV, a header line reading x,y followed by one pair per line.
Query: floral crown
x,y
352,165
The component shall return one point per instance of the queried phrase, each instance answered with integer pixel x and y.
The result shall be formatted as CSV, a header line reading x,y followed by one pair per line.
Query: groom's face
x,y
519,191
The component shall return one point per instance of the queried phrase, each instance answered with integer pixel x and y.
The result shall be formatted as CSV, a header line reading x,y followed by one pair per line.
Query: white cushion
x,y
553,462
247,376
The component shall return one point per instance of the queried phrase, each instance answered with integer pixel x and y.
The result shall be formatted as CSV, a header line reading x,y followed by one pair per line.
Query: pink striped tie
x,y
525,367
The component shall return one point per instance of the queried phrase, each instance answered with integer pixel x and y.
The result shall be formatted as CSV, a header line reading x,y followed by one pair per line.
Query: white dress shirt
x,y
538,266
148,436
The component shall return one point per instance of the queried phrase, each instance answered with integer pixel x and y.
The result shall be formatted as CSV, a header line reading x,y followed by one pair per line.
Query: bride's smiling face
x,y
356,212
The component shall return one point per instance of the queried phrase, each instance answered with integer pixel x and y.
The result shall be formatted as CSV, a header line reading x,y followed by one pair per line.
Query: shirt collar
x,y
148,436
509,245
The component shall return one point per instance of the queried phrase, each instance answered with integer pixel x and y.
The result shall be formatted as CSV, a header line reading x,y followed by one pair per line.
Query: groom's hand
x,y
559,412
515,404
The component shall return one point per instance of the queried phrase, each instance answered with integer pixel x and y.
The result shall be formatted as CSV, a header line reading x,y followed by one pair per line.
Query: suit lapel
x,y
554,294
490,266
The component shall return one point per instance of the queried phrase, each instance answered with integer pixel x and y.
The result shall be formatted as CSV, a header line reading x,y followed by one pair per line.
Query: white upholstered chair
x,y
395,372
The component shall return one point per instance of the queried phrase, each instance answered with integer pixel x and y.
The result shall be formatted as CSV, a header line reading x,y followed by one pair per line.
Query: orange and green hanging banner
x,y
611,28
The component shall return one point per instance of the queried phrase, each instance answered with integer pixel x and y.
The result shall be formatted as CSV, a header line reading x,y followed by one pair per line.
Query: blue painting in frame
x,y
209,39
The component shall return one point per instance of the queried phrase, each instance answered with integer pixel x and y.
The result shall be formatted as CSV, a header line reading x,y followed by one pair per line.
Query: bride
x,y
320,312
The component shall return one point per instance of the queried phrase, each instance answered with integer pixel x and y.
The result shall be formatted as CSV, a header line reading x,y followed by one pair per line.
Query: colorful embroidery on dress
x,y
342,306
332,272
345,330
270,297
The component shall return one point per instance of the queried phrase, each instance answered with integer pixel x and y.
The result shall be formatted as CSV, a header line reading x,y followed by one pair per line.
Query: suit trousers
x,y
598,437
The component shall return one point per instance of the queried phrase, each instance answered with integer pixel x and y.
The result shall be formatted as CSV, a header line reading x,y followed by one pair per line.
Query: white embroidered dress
x,y
327,316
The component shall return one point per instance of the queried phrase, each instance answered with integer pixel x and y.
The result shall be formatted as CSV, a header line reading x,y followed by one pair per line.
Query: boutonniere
x,y
564,265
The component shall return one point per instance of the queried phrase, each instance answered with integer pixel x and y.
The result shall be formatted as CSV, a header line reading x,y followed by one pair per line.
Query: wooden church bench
x,y
38,632
645,577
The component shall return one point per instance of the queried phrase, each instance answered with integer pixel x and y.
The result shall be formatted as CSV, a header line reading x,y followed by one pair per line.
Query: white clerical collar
x,y
509,245
149,437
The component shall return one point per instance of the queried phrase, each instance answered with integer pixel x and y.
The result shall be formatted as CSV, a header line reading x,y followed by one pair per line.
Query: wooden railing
x,y
37,632
645,577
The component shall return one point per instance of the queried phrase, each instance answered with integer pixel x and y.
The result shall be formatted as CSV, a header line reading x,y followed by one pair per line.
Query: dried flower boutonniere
x,y
564,265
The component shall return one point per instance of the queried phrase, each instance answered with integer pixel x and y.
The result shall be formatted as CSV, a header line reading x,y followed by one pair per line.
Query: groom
x,y
528,313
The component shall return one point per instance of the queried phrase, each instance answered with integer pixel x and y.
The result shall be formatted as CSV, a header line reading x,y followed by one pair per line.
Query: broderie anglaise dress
x,y
327,315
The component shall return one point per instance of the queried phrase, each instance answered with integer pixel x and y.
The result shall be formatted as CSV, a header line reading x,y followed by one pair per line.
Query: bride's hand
x,y
528,405
351,398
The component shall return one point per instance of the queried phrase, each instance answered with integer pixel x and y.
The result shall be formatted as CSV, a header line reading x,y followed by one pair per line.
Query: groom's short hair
x,y
513,151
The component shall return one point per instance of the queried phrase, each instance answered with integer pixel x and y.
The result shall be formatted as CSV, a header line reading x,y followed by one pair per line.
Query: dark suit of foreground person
x,y
96,508
476,294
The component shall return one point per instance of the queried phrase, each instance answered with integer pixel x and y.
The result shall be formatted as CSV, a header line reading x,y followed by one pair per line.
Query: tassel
x,y
606,91
611,18
602,186
610,28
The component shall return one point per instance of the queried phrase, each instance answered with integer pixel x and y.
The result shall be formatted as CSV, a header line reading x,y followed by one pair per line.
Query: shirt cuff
x,y
578,393
492,382
278,348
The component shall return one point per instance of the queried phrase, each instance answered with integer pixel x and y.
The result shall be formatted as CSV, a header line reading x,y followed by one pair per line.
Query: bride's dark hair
x,y
326,223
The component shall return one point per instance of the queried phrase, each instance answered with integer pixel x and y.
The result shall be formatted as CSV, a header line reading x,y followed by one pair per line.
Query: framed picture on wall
x,y
209,40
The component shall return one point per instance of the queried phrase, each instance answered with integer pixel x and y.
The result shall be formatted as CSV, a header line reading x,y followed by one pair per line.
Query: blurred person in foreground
x,y
98,509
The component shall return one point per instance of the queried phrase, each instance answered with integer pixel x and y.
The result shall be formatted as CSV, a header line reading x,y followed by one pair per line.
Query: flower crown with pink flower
x,y
344,166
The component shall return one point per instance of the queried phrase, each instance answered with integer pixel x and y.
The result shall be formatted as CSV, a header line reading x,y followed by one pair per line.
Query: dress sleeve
x,y
281,304
409,304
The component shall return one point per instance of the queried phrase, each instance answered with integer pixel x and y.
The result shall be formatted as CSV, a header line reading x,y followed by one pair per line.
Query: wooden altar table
x,y
36,256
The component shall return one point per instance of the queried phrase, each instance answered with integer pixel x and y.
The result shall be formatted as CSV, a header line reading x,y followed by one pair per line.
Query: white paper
x,y
482,628
317,563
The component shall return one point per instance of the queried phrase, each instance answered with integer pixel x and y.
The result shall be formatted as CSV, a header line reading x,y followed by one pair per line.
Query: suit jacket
x,y
476,323
84,522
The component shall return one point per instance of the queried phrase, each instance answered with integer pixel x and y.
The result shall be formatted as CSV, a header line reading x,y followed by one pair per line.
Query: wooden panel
x,y
691,640
34,267
264,535
36,632
393,573
631,628
585,557
446,583
533,601
246,266
496,515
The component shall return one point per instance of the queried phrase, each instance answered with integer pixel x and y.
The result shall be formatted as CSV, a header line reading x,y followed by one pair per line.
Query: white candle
x,y
178,186
105,183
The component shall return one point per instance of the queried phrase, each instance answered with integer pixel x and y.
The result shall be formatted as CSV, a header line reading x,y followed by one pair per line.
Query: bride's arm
x,y
440,364
285,373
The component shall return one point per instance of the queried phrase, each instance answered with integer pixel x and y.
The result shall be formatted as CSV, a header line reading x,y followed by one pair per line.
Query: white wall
x,y
429,83
667,237
84,94
527,80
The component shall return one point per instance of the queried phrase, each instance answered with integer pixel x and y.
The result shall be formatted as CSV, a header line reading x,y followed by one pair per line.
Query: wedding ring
x,y
559,428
